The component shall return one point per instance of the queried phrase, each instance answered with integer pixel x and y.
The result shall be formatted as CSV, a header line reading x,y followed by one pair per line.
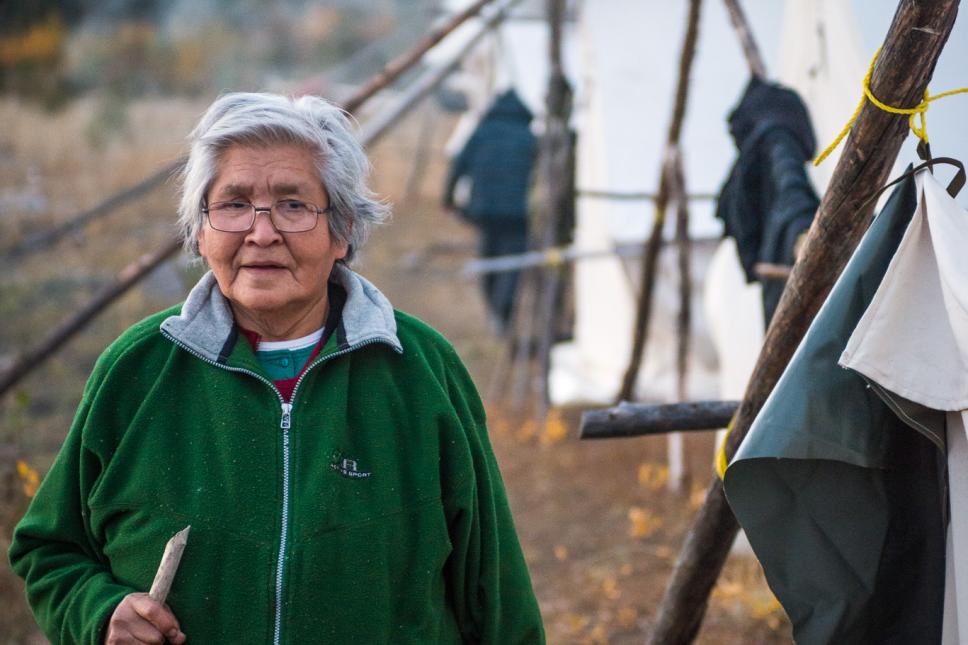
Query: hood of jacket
x,y
207,327
765,106
509,106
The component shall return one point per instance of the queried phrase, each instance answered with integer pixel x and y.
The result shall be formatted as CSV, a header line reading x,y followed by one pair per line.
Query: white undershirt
x,y
294,344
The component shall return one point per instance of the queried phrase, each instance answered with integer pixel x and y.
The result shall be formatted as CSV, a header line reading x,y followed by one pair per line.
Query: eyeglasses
x,y
286,215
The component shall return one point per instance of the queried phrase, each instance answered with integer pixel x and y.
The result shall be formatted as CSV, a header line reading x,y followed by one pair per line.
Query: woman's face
x,y
265,273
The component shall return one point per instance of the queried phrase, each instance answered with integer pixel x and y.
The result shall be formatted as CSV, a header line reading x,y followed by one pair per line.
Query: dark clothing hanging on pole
x,y
768,202
498,159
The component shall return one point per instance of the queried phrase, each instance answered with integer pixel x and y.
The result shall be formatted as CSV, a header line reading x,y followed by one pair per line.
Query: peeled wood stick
x,y
169,566
911,48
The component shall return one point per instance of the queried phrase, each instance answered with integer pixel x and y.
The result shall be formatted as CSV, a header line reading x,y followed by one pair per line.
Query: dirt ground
x,y
599,527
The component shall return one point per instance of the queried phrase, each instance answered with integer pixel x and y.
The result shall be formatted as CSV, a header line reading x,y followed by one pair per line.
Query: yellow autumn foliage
x,y
29,477
41,43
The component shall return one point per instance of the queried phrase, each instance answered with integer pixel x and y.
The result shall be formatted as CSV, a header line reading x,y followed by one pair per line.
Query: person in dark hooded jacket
x,y
768,201
498,159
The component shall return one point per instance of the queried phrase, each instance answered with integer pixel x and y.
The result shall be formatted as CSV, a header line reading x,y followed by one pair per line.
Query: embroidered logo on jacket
x,y
347,467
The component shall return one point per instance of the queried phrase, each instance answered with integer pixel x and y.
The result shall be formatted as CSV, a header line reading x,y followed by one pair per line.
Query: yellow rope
x,y
918,110
554,257
721,461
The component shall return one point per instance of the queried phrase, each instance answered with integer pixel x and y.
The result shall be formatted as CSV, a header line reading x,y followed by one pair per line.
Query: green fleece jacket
x,y
370,510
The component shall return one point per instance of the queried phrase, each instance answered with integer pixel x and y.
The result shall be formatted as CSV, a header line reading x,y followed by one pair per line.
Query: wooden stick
x,y
168,566
769,271
742,27
41,240
908,57
639,420
378,125
130,275
675,449
684,247
396,67
557,165
653,244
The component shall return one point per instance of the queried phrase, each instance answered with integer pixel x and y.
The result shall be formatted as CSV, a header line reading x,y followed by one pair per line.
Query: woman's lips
x,y
263,268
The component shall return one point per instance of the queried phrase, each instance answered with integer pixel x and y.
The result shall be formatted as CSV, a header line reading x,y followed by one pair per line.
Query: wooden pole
x,y
558,178
911,48
745,34
684,247
378,125
638,420
392,71
41,240
396,67
653,244
128,277
676,447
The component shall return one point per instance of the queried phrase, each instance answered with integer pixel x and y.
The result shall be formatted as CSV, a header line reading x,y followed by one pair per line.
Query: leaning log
x,y
638,420
130,275
916,37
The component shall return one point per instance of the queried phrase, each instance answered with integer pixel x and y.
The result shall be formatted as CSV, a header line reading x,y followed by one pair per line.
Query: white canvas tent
x,y
621,56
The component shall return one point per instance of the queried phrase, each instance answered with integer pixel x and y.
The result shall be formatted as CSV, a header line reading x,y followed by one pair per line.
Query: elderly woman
x,y
329,453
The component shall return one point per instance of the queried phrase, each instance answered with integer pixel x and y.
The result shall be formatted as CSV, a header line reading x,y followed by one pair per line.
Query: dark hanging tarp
x,y
842,501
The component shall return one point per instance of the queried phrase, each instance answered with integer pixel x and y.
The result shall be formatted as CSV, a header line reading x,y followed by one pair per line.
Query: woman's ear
x,y
201,243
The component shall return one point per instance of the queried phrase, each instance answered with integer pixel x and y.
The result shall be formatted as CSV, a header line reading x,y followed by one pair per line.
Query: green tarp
x,y
842,501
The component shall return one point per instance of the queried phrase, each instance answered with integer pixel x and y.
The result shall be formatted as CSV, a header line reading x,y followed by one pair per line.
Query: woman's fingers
x,y
139,619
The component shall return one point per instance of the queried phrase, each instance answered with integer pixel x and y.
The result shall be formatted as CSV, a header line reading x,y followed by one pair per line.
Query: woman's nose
x,y
263,230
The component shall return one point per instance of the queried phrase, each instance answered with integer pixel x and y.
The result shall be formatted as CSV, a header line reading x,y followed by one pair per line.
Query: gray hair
x,y
244,118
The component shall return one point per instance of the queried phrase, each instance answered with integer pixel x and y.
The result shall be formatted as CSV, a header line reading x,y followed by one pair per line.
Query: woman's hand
x,y
139,619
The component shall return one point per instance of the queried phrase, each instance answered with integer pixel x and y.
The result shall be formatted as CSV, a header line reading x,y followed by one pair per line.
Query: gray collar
x,y
205,325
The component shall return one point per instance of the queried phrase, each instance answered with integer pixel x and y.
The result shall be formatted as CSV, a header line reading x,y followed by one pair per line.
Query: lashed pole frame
x,y
133,273
391,72
908,57
653,244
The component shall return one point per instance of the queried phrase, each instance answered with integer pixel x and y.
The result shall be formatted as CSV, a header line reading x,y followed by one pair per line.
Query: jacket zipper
x,y
285,423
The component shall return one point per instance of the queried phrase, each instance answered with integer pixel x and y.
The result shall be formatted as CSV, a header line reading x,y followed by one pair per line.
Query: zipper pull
x,y
286,416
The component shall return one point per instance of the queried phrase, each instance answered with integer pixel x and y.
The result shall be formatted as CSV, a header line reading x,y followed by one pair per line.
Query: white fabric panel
x,y
734,309
820,58
913,338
